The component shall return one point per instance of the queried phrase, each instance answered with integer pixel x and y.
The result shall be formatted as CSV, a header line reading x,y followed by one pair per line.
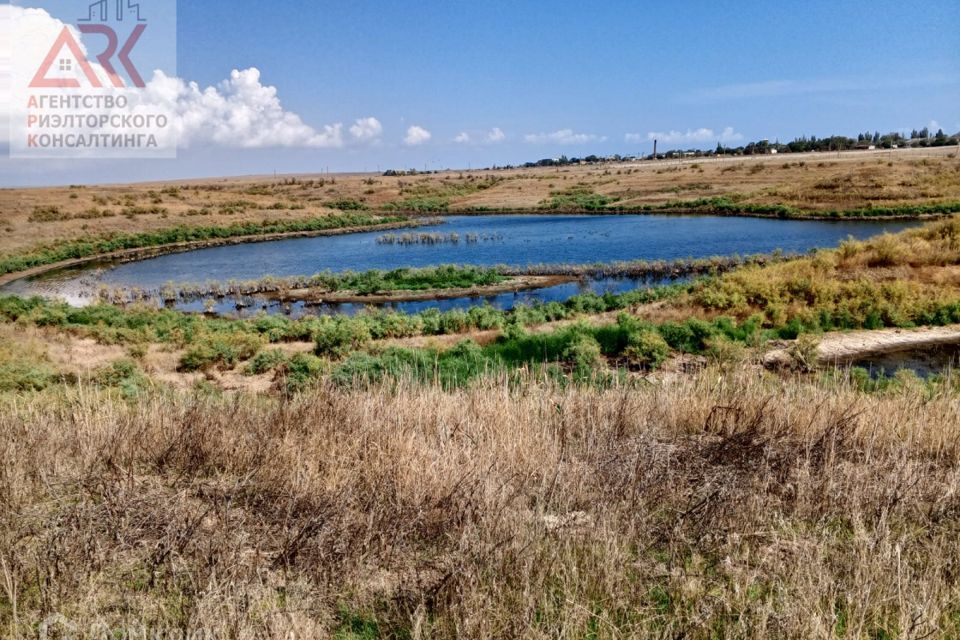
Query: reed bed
x,y
721,505
411,239
374,281
328,281
653,269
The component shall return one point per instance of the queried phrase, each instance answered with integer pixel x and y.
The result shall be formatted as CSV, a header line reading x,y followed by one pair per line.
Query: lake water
x,y
505,240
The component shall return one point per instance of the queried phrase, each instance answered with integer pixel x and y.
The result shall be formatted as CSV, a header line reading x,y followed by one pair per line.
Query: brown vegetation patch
x,y
726,507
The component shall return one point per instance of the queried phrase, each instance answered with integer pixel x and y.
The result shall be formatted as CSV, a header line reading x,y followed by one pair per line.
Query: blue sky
x,y
517,81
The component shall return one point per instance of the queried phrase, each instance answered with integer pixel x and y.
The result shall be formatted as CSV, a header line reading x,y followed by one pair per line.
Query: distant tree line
x,y
564,161
918,138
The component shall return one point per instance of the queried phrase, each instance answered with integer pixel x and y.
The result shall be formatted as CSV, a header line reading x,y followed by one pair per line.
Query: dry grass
x,y
718,506
810,181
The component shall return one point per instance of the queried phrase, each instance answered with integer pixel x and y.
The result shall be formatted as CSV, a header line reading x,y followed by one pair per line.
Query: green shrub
x,y
584,352
485,318
454,321
347,204
48,214
338,337
23,375
221,351
580,197
124,375
302,370
690,336
647,349
266,361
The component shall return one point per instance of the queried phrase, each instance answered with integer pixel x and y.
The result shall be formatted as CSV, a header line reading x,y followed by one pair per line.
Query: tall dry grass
x,y
718,506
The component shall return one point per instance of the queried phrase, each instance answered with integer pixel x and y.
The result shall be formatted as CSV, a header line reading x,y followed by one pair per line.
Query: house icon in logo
x,y
66,56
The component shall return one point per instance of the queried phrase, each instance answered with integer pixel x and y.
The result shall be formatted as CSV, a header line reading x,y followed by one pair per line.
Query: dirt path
x,y
843,347
839,347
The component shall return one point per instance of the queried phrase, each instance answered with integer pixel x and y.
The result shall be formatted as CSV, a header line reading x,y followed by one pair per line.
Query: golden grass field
x,y
721,505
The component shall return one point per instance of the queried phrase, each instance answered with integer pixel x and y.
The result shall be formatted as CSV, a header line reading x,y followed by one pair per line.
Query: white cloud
x,y
240,111
690,135
496,135
564,136
366,130
416,136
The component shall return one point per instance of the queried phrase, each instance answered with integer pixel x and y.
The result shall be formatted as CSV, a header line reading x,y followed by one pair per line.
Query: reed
x,y
441,277
525,509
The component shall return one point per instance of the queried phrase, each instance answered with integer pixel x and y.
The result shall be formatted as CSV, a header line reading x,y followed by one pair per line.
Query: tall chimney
x,y
654,149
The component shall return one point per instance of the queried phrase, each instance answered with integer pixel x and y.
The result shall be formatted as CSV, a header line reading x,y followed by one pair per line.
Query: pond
x,y
493,240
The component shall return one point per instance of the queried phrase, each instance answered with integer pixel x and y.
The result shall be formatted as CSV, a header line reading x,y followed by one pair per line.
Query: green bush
x,y
580,197
647,349
221,351
21,375
690,336
266,361
302,370
454,321
338,337
584,352
124,375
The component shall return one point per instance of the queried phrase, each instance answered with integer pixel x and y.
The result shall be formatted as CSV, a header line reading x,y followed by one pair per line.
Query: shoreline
x,y
312,297
145,253
692,212
418,219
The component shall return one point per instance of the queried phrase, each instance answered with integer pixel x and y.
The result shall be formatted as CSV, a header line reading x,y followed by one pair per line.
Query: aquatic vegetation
x,y
363,283
410,239
424,279
419,238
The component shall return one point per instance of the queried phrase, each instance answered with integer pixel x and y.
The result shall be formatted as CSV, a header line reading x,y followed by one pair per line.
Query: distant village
x,y
918,138
863,142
